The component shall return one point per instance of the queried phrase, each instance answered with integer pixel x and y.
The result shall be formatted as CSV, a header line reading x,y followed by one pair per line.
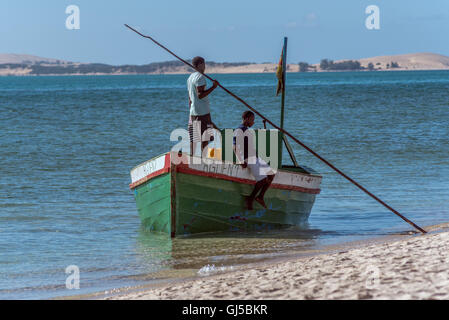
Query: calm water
x,y
67,145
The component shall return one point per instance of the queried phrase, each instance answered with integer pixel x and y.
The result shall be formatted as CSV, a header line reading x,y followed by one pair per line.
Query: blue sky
x,y
231,30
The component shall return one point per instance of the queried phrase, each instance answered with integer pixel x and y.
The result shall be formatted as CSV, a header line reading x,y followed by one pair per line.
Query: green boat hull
x,y
183,203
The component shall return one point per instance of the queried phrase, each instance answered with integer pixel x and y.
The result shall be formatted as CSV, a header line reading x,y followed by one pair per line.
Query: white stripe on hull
x,y
283,177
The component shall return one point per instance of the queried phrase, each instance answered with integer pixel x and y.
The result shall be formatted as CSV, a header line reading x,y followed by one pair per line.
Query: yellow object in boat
x,y
214,153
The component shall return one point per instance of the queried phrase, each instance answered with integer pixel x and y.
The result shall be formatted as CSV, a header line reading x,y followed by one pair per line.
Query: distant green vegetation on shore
x,y
326,64
347,65
59,67
44,68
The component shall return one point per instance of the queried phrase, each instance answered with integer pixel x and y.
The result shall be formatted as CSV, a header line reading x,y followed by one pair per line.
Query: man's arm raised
x,y
202,92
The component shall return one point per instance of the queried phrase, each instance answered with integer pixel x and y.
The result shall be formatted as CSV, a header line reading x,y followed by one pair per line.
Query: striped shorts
x,y
198,125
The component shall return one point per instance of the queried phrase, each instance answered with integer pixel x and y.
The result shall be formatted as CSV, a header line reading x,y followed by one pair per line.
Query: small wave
x,y
212,269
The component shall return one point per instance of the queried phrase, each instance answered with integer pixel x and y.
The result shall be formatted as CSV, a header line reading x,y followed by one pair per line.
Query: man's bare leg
x,y
250,199
267,183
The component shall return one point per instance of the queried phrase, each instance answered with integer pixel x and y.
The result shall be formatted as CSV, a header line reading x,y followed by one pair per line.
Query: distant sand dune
x,y
26,59
412,61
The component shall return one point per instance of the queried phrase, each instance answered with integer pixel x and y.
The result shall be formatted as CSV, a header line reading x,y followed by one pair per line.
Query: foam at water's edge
x,y
212,269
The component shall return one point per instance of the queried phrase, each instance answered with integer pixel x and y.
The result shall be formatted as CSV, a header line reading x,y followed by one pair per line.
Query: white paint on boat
x,y
161,164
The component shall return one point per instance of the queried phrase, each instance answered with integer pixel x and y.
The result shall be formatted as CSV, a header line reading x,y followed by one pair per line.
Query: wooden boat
x,y
194,196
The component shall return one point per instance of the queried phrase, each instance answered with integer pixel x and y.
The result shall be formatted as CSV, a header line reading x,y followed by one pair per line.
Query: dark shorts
x,y
203,123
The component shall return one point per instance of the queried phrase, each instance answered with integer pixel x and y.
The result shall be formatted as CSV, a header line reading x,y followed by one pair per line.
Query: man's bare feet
x,y
260,200
249,203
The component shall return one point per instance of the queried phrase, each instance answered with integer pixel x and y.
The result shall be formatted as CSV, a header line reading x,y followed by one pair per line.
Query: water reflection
x,y
224,249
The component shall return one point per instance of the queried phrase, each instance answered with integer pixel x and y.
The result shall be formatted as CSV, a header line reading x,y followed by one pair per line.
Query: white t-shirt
x,y
199,106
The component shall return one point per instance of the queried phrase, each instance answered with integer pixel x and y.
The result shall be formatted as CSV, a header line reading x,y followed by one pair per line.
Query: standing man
x,y
200,119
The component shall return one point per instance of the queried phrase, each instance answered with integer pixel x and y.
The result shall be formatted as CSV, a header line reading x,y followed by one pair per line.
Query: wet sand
x,y
410,268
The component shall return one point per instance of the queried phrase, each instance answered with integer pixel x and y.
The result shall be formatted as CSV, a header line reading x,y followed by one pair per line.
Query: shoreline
x,y
410,267
186,73
413,268
23,65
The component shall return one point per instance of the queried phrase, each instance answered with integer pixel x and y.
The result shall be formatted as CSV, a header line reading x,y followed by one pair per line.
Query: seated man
x,y
259,168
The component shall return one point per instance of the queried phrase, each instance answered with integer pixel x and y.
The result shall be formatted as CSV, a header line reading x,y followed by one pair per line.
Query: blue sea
x,y
67,145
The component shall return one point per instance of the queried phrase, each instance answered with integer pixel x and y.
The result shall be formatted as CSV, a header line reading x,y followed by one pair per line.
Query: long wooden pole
x,y
292,137
284,72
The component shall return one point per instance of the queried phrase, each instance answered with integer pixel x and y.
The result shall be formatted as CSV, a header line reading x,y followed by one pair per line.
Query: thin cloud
x,y
308,21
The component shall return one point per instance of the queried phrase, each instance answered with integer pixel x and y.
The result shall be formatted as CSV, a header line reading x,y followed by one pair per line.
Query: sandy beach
x,y
413,267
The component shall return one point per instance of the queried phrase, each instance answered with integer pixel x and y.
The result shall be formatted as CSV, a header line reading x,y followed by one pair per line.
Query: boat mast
x,y
284,69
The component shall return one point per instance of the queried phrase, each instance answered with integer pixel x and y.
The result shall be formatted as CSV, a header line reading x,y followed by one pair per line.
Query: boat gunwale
x,y
183,168
154,158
